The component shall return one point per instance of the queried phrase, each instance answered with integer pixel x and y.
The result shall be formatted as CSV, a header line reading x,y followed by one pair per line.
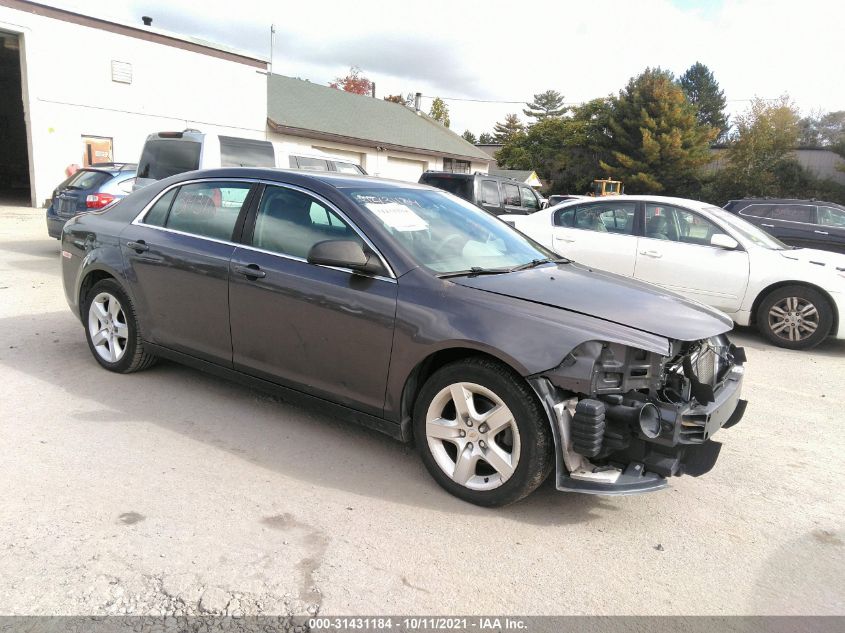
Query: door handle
x,y
654,254
768,226
250,270
822,232
139,247
564,239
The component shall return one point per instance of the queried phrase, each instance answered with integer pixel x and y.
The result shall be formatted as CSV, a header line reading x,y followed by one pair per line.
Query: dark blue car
x,y
89,189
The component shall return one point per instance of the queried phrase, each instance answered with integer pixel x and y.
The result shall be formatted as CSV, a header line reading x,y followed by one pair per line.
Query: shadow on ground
x,y
264,430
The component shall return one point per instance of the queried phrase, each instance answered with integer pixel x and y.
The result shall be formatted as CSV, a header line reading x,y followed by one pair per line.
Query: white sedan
x,y
795,296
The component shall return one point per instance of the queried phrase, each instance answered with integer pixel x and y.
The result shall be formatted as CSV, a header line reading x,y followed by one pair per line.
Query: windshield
x,y
755,235
446,234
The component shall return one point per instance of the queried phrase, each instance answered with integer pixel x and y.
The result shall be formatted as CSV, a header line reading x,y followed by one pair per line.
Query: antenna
x,y
272,37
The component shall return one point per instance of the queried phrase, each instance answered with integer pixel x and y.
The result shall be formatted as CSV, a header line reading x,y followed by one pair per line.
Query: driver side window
x,y
290,222
678,225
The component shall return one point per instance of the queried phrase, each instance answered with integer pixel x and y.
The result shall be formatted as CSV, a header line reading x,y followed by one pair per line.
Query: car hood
x,y
609,297
813,256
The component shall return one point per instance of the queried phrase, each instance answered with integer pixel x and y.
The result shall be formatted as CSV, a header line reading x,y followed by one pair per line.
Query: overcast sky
x,y
507,51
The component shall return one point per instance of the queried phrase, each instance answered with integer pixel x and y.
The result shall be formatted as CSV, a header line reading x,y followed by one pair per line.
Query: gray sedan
x,y
408,310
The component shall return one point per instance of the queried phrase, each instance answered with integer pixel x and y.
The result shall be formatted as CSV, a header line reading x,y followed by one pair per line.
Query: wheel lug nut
x,y
463,433
469,422
469,446
482,444
482,428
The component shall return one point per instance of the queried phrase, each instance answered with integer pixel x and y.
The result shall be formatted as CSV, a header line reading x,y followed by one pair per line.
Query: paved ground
x,y
172,491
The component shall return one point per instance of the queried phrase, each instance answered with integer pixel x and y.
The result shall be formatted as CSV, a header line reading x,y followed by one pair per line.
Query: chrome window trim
x,y
139,221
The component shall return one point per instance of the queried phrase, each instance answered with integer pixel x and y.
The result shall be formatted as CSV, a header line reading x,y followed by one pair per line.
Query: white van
x,y
169,153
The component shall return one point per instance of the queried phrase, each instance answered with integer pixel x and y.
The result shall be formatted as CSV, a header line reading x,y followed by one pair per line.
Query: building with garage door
x,y
387,139
76,89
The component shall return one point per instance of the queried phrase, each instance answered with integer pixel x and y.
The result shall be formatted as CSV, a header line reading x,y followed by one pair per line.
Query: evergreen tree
x,y
485,138
439,111
546,104
704,93
469,137
659,145
507,129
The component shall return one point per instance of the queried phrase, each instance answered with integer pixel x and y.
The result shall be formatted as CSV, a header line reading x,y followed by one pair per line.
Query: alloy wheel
x,y
107,327
793,319
472,436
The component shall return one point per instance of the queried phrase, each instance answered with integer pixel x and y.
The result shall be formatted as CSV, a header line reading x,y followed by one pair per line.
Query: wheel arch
x,y
92,277
430,364
834,328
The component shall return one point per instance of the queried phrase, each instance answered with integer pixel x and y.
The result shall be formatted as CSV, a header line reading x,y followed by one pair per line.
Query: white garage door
x,y
404,169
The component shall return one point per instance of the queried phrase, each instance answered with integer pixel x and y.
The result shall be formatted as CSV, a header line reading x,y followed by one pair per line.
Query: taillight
x,y
99,200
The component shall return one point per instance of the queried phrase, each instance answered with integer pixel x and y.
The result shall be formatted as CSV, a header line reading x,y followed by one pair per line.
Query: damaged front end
x,y
625,419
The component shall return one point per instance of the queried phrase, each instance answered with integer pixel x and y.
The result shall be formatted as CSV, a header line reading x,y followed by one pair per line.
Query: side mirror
x,y
344,254
724,241
544,204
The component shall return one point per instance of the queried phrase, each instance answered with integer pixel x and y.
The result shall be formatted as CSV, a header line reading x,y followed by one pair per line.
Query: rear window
x,y
87,179
165,158
246,152
461,187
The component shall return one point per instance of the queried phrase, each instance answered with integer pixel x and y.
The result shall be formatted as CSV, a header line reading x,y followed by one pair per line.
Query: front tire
x,y
111,329
481,433
795,317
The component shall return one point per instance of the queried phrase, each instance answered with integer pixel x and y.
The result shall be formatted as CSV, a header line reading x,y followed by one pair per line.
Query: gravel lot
x,y
170,491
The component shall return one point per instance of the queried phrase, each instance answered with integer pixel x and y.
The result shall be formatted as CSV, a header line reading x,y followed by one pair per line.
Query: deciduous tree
x,y
439,111
354,82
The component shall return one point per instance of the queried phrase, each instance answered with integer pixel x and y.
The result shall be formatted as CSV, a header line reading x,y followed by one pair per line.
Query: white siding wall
x,y
69,93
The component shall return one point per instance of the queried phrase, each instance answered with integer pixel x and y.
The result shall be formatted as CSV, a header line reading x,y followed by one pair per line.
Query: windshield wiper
x,y
475,270
537,262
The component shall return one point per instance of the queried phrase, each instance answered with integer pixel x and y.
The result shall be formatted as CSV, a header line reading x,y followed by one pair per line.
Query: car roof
x,y
667,200
332,179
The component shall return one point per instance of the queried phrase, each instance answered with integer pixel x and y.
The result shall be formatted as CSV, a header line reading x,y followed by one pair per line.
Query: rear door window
x,y
490,193
757,210
165,158
246,152
511,193
208,209
793,212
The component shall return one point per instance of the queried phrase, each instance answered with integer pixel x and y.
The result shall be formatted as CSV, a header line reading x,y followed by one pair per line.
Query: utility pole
x,y
272,37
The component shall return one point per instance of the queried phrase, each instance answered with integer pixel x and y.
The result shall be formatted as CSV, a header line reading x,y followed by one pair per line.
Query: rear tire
x,y
111,329
795,317
481,432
